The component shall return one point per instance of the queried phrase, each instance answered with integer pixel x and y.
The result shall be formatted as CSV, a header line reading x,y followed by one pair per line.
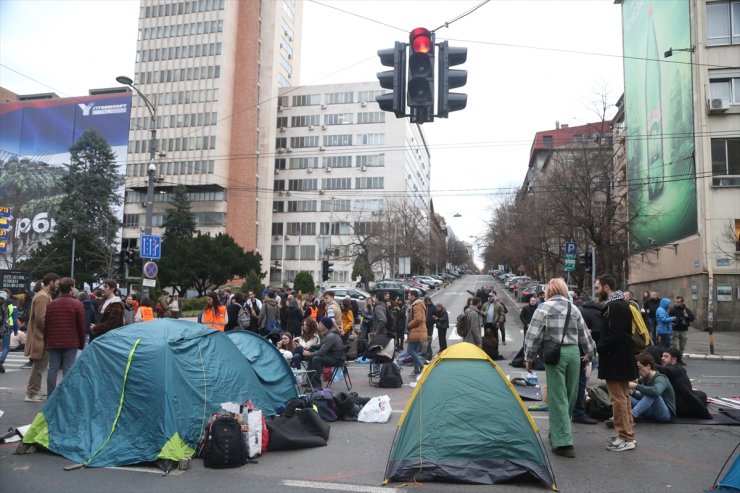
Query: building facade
x,y
341,166
682,139
212,70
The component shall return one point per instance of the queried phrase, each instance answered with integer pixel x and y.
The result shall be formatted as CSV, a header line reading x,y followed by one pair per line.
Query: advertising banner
x,y
35,137
659,114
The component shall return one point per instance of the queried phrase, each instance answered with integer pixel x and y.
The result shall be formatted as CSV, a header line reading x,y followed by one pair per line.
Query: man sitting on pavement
x,y
329,352
656,400
689,403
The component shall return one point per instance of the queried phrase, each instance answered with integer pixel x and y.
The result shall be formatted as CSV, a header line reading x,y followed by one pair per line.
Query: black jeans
x,y
317,363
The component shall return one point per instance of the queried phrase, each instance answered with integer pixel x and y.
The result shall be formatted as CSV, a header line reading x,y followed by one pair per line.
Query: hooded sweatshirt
x,y
664,320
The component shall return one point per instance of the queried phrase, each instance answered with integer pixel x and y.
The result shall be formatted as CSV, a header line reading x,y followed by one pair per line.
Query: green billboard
x,y
659,117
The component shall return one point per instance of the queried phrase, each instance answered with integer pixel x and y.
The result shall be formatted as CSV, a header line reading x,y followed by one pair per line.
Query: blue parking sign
x,y
571,248
150,247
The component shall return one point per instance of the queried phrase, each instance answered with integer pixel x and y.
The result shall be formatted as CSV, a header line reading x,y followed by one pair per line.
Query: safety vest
x,y
10,316
147,313
313,312
215,320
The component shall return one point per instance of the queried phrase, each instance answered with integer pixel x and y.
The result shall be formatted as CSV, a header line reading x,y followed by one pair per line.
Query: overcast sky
x,y
530,63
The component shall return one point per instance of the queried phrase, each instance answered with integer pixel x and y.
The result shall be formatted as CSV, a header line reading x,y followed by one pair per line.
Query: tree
x,y
177,242
303,282
179,221
89,214
253,282
219,259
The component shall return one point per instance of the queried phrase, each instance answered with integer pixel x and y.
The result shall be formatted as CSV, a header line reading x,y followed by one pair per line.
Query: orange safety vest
x,y
313,312
147,313
215,321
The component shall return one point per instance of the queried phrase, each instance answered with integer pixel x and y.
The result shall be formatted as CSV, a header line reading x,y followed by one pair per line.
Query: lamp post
x,y
152,169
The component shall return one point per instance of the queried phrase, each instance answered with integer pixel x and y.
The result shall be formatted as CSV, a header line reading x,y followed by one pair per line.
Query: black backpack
x,y
224,445
390,376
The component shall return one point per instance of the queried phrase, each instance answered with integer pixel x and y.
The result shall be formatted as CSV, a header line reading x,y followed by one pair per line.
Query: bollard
x,y
711,339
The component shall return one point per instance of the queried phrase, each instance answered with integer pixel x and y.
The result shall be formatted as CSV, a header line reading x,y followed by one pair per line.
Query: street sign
x,y
4,211
149,283
150,247
14,279
571,250
4,223
151,270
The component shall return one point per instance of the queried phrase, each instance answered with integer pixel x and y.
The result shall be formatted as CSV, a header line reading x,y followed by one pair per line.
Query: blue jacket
x,y
664,320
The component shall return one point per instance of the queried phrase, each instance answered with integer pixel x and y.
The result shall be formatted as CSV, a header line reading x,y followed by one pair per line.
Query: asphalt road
x,y
669,458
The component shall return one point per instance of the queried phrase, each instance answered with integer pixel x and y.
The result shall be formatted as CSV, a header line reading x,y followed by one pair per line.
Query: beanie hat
x,y
327,322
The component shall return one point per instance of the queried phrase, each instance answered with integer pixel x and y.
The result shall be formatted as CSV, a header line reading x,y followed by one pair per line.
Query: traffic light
x,y
585,259
326,269
129,256
449,79
393,79
421,75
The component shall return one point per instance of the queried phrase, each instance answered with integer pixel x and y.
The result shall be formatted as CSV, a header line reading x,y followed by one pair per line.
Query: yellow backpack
x,y
640,333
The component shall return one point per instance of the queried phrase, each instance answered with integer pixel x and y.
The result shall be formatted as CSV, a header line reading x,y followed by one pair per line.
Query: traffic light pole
x,y
593,267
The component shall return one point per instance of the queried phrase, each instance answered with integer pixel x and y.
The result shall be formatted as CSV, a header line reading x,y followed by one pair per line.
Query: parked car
x,y
429,280
395,289
527,291
357,295
512,281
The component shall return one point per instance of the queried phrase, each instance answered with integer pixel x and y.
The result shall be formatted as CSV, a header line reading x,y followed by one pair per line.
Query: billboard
x,y
659,117
35,137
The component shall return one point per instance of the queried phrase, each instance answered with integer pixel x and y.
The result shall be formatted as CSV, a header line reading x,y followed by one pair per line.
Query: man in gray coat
x,y
474,321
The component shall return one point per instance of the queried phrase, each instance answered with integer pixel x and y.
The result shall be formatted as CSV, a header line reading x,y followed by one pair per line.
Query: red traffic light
x,y
420,40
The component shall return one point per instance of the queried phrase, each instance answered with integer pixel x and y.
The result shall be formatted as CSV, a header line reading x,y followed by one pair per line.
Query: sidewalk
x,y
726,345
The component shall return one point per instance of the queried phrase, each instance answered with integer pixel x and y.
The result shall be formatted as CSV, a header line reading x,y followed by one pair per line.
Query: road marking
x,y
150,470
339,486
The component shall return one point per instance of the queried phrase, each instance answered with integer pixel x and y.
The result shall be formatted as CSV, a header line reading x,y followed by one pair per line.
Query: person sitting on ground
x,y
652,395
329,352
286,345
690,403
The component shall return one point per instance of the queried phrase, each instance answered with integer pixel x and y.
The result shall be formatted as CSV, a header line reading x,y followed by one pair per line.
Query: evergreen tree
x,y
179,221
177,242
303,282
89,214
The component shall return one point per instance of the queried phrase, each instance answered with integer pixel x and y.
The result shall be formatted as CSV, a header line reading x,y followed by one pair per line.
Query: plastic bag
x,y
377,410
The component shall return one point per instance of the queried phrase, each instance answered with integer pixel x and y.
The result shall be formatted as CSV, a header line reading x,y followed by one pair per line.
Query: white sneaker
x,y
34,398
620,445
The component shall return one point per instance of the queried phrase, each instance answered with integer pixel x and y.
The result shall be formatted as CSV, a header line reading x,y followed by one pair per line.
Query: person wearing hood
x,y
329,352
417,332
664,322
111,311
269,318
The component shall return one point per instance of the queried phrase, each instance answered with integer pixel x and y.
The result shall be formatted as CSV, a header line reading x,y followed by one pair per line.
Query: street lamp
x,y
152,169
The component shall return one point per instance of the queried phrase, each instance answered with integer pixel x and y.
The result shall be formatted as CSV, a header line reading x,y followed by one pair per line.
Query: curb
x,y
712,357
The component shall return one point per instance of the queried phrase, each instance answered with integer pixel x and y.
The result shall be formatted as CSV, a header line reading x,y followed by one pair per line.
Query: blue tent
x,y
145,392
268,363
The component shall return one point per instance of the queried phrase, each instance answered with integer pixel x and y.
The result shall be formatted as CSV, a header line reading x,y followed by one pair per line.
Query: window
x,y
301,229
282,121
276,251
723,23
338,140
284,101
308,252
299,142
547,141
369,182
131,220
370,139
339,98
368,96
726,157
277,229
338,162
304,162
367,227
725,84
279,185
338,119
339,205
371,160
307,100
369,205
371,117
281,143
304,121
280,163
302,206
336,183
301,185
278,206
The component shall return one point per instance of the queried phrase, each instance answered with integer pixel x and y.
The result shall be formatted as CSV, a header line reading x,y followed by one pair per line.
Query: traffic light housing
x,y
421,75
585,259
130,254
326,269
450,79
393,79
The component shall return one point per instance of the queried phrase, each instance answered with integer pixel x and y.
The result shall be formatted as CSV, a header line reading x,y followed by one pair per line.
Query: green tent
x,y
465,423
144,393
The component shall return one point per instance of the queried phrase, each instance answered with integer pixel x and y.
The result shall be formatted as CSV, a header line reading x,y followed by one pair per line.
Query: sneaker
x,y
504,343
2,368
585,420
34,398
27,366
567,451
620,445
609,423
615,438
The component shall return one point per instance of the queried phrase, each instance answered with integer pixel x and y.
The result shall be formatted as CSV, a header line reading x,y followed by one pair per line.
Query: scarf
x,y
617,295
112,299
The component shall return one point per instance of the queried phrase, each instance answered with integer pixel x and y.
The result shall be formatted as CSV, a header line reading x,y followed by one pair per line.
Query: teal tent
x,y
144,393
465,423
268,363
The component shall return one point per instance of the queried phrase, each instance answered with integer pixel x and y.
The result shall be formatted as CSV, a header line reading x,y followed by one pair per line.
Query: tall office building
x,y
341,166
212,69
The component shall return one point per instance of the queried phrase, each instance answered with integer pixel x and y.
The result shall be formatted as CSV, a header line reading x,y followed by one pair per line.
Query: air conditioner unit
x,y
321,192
323,127
289,149
310,170
323,106
280,108
718,105
322,148
277,171
363,104
282,129
327,169
281,150
363,168
143,204
310,127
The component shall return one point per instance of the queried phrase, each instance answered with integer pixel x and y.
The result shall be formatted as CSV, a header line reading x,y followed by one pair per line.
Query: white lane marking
x,y
150,470
339,486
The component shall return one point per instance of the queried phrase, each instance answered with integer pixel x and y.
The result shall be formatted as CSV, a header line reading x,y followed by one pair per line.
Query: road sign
x,y
14,279
151,247
4,211
569,264
150,283
5,223
151,270
571,248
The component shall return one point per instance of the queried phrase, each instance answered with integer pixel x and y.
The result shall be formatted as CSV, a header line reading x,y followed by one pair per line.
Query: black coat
x,y
688,404
293,318
526,314
615,348
651,307
594,320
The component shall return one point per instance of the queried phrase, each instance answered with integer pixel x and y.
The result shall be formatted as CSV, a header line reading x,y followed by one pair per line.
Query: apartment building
x,y
682,141
212,70
339,165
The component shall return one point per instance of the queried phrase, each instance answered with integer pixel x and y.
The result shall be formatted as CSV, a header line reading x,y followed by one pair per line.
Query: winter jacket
x,y
664,320
270,311
682,318
591,312
65,323
615,347
443,319
417,322
659,386
35,332
651,307
380,318
111,318
90,315
293,318
526,314
331,345
474,321
500,316
688,404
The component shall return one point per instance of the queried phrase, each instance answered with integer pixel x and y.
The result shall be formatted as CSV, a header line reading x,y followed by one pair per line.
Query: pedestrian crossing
x,y
14,361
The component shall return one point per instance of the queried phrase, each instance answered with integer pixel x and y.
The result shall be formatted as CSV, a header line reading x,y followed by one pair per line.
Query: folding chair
x,y
347,380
